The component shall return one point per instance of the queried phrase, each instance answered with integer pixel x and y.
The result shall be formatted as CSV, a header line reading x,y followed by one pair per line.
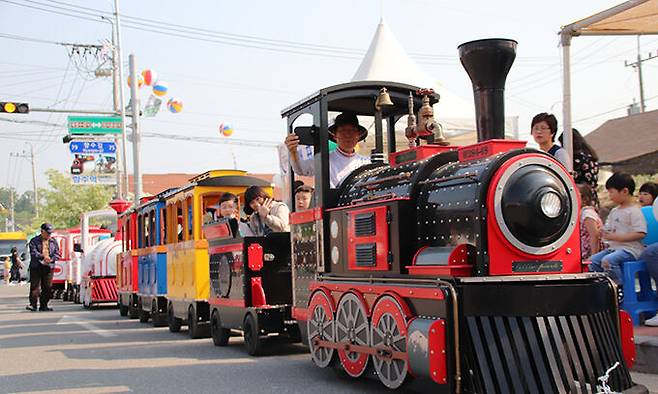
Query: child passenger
x,y
228,208
303,197
623,231
267,214
590,223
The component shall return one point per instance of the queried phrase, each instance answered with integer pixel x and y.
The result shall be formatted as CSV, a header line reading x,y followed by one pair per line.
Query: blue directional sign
x,y
90,147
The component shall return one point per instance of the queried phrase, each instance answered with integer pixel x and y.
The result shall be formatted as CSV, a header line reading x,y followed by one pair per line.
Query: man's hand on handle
x,y
292,142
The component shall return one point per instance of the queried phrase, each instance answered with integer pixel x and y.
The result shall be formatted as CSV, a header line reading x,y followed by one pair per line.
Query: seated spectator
x,y
650,254
544,129
623,230
648,193
266,215
303,197
346,132
590,224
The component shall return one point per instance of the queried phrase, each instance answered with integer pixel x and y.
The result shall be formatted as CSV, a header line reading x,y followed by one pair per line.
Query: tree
x,y
23,209
63,202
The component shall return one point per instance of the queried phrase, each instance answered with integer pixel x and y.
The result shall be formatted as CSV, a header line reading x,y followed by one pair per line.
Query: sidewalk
x,y
646,346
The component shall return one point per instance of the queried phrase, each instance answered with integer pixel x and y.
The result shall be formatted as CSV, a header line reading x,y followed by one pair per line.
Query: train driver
x,y
346,132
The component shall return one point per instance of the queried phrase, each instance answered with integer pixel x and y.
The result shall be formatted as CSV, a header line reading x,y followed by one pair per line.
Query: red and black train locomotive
x,y
458,266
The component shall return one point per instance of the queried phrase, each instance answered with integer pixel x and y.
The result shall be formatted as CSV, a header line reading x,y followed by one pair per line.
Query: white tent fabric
x,y
386,60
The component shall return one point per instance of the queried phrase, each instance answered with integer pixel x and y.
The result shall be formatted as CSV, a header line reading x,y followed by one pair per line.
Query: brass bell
x,y
383,99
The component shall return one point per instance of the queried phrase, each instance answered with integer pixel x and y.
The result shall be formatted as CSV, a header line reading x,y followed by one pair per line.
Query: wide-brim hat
x,y
347,118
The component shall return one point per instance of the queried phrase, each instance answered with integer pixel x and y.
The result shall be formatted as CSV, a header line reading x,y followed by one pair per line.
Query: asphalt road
x,y
74,350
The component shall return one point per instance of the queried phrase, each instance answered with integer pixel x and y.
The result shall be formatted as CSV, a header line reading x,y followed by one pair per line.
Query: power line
x,y
231,39
212,140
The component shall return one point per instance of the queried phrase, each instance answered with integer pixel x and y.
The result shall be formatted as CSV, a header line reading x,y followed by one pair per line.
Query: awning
x,y
629,18
634,17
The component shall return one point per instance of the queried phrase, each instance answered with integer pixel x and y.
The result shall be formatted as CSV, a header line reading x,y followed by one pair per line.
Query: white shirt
x,y
341,165
626,220
563,157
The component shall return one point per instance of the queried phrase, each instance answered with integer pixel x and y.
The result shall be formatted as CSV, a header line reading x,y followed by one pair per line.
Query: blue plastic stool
x,y
644,301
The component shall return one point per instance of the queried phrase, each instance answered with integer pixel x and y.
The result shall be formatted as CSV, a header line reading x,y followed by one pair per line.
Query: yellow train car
x,y
188,265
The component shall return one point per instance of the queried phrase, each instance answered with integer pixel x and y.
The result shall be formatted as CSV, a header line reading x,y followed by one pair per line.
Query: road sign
x,y
94,124
87,147
93,162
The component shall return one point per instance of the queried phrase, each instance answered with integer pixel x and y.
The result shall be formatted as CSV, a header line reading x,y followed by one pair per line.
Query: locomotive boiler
x,y
454,266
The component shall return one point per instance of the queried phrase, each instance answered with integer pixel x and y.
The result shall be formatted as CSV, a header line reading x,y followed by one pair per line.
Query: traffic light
x,y
14,108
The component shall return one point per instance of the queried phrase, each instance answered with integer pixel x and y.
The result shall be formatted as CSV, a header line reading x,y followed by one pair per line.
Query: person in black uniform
x,y
44,251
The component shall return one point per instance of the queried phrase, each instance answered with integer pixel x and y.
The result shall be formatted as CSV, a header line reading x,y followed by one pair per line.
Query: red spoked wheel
x,y
320,326
352,328
389,338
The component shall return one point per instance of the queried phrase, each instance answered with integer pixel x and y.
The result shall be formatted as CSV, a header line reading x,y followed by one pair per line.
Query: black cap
x,y
47,227
347,118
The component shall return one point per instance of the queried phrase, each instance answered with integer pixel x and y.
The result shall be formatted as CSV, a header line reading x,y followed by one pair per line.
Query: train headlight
x,y
534,205
551,204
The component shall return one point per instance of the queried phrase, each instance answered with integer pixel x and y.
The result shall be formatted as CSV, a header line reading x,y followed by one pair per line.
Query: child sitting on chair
x,y
623,231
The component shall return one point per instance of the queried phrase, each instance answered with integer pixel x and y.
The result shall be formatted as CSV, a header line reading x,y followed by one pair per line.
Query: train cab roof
x,y
227,178
216,178
359,97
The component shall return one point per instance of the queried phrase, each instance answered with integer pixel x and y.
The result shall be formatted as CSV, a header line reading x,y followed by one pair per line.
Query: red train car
x,y
455,268
127,270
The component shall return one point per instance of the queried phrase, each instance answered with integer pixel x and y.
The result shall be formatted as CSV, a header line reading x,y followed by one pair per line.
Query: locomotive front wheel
x,y
320,325
352,327
220,335
123,310
389,334
252,339
174,322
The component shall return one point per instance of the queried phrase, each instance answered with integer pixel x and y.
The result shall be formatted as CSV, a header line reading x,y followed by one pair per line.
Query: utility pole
x,y
32,159
12,210
34,181
116,82
638,64
134,101
122,110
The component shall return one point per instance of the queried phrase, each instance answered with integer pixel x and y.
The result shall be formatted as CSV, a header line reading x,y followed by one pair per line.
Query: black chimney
x,y
487,63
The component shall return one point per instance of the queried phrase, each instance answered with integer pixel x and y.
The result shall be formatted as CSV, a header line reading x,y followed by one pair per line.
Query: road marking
x,y
85,390
86,324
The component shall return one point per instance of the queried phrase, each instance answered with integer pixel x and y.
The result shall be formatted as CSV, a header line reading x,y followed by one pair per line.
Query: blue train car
x,y
152,262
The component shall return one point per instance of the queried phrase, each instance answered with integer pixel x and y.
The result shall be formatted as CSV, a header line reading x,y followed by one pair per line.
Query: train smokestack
x,y
487,63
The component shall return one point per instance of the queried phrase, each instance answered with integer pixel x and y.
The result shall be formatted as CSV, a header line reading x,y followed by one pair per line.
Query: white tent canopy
x,y
386,60
634,17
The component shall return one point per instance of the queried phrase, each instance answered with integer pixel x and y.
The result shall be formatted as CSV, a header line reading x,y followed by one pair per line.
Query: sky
x,y
246,61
